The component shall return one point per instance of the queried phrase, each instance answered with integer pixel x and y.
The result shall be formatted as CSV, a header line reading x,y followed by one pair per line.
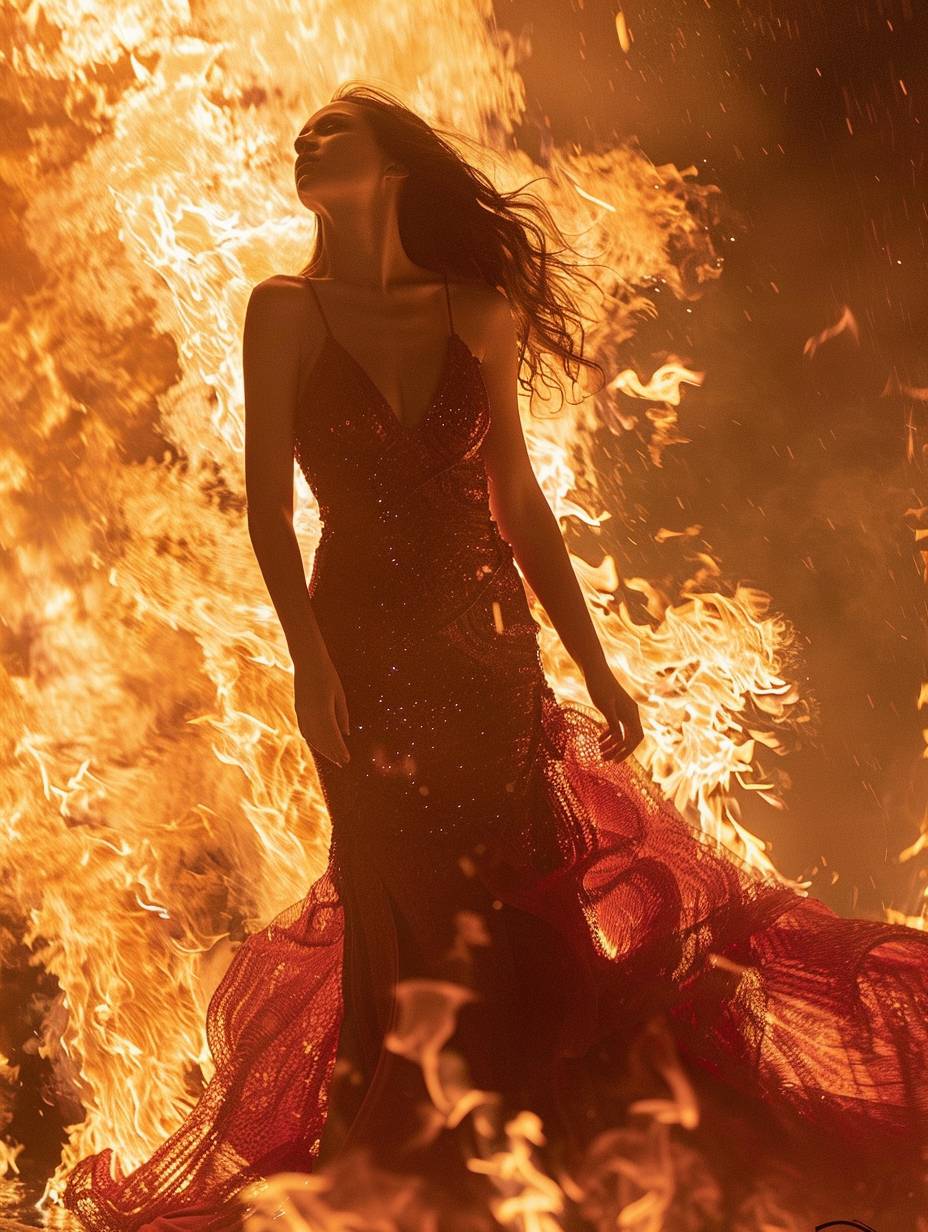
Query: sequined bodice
x,y
408,540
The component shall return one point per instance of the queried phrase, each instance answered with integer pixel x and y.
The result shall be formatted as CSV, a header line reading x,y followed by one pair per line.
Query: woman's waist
x,y
356,588
423,545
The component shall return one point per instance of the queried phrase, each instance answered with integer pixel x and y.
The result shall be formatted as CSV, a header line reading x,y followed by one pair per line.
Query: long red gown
x,y
479,838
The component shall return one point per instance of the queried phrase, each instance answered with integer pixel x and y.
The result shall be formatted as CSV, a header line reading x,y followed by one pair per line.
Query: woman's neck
x,y
363,246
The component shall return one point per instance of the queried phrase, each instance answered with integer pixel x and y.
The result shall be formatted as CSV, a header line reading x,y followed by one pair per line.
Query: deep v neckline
x,y
386,407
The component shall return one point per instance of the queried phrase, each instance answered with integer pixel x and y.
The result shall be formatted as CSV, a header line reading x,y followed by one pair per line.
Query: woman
x,y
502,873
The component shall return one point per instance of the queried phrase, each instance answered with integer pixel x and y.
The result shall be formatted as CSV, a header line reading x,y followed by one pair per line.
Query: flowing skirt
x,y
503,911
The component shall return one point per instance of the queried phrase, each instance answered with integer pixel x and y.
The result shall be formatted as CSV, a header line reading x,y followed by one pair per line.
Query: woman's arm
x,y
519,506
271,346
274,323
523,515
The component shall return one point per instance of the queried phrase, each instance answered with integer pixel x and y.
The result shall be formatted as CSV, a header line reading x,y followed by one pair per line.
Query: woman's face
x,y
337,156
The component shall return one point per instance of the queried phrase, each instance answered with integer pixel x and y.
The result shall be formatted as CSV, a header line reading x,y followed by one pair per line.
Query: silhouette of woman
x,y
501,869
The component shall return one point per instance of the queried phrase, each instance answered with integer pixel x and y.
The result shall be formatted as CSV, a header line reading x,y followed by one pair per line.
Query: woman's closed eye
x,y
323,127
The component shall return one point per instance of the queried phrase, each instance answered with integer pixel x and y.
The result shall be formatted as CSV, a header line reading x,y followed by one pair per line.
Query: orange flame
x,y
159,802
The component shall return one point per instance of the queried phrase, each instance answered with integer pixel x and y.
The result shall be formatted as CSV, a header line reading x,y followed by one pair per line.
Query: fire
x,y
846,323
159,802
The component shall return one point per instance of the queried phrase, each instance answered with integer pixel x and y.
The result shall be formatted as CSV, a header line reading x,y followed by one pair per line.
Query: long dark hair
x,y
454,221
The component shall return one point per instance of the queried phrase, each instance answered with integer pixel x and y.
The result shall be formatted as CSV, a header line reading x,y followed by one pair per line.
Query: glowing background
x,y
750,180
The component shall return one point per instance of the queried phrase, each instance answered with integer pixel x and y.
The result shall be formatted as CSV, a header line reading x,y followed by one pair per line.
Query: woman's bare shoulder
x,y
280,291
482,312
284,301
479,295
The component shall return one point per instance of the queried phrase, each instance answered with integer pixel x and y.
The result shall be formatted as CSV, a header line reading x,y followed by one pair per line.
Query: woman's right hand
x,y
321,708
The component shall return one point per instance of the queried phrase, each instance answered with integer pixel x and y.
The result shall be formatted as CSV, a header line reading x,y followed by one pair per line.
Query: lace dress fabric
x,y
474,797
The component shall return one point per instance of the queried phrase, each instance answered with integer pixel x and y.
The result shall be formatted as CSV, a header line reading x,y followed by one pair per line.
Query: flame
x,y
846,323
159,801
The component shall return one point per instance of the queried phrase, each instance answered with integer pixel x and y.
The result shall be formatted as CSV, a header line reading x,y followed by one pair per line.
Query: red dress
x,y
479,840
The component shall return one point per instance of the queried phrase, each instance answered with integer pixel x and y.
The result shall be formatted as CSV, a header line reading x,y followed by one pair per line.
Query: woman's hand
x,y
321,708
620,711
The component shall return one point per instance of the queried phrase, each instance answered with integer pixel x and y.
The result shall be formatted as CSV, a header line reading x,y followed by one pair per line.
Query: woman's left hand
x,y
620,711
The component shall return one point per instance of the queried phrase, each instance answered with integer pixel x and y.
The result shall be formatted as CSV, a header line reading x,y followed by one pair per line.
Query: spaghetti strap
x,y
448,302
325,321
